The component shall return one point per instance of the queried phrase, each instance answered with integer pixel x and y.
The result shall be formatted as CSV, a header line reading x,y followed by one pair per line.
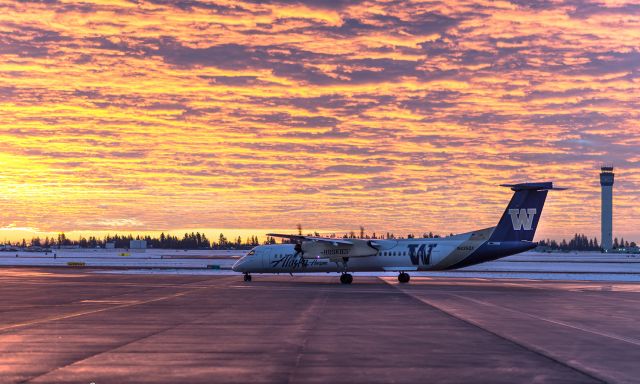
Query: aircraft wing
x,y
312,238
332,248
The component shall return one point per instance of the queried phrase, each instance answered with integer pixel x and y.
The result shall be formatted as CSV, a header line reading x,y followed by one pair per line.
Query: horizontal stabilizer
x,y
545,186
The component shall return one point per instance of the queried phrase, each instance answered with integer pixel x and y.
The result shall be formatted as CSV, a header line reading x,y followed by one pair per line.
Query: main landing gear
x,y
247,277
403,277
346,278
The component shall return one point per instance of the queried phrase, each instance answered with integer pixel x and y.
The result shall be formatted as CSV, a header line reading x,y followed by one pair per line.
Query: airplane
x,y
513,234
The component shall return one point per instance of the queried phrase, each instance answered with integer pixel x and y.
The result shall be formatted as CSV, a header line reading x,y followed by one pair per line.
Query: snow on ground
x,y
579,262
529,265
150,258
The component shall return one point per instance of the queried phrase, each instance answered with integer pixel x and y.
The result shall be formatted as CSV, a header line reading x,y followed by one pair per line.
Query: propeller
x,y
299,252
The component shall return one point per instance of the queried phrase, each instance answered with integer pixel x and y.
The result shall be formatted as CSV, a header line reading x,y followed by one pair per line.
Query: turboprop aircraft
x,y
513,234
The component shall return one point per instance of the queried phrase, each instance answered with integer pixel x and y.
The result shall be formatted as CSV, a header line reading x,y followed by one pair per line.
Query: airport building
x,y
137,244
606,211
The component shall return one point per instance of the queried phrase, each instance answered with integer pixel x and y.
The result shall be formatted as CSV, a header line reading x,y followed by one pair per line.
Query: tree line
x,y
197,240
581,242
193,240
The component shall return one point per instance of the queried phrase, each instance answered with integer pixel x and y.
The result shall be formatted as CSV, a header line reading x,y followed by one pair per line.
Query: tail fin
x,y
520,219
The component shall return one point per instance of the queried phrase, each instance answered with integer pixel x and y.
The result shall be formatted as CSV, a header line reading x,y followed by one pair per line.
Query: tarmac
x,y
62,325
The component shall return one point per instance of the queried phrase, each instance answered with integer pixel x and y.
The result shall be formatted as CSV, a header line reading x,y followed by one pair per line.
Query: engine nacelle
x,y
326,250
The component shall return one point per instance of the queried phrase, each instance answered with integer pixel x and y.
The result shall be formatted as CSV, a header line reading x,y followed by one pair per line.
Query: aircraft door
x,y
266,258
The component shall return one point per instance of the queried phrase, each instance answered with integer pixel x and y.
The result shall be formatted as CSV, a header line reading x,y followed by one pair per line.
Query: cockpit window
x,y
251,252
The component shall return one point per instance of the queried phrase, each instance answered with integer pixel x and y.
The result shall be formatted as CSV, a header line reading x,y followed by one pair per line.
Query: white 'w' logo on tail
x,y
522,218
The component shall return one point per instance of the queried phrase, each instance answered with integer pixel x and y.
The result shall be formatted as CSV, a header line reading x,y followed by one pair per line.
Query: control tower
x,y
606,182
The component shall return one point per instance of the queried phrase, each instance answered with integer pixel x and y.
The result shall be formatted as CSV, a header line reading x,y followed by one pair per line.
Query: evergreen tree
x,y
205,241
35,242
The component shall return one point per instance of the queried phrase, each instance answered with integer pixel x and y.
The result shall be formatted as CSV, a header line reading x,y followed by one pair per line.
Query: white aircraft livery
x,y
513,234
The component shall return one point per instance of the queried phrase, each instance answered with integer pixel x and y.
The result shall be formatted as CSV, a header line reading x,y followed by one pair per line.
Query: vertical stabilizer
x,y
520,219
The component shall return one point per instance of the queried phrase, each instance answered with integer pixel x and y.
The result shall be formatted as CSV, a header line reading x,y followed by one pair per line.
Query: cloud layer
x,y
400,116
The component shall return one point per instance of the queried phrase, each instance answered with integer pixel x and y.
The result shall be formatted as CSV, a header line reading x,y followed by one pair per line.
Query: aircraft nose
x,y
237,267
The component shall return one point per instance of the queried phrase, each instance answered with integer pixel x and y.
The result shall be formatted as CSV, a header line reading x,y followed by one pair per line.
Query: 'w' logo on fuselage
x,y
522,218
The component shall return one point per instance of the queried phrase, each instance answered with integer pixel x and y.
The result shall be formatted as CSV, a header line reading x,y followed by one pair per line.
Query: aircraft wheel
x,y
346,278
247,277
404,277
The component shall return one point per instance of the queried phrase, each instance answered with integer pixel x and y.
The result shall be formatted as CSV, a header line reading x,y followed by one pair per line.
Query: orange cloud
x,y
200,114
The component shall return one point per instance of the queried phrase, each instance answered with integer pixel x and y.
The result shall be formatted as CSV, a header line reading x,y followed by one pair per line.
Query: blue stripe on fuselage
x,y
492,251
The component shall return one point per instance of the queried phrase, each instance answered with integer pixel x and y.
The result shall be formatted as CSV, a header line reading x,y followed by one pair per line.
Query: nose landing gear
x,y
403,277
247,276
346,278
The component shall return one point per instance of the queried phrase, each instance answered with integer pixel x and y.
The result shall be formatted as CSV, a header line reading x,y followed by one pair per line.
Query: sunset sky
x,y
131,116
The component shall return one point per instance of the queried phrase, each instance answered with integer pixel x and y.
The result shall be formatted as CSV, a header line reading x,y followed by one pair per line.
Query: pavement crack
x,y
472,323
11,327
629,340
85,358
129,342
309,316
